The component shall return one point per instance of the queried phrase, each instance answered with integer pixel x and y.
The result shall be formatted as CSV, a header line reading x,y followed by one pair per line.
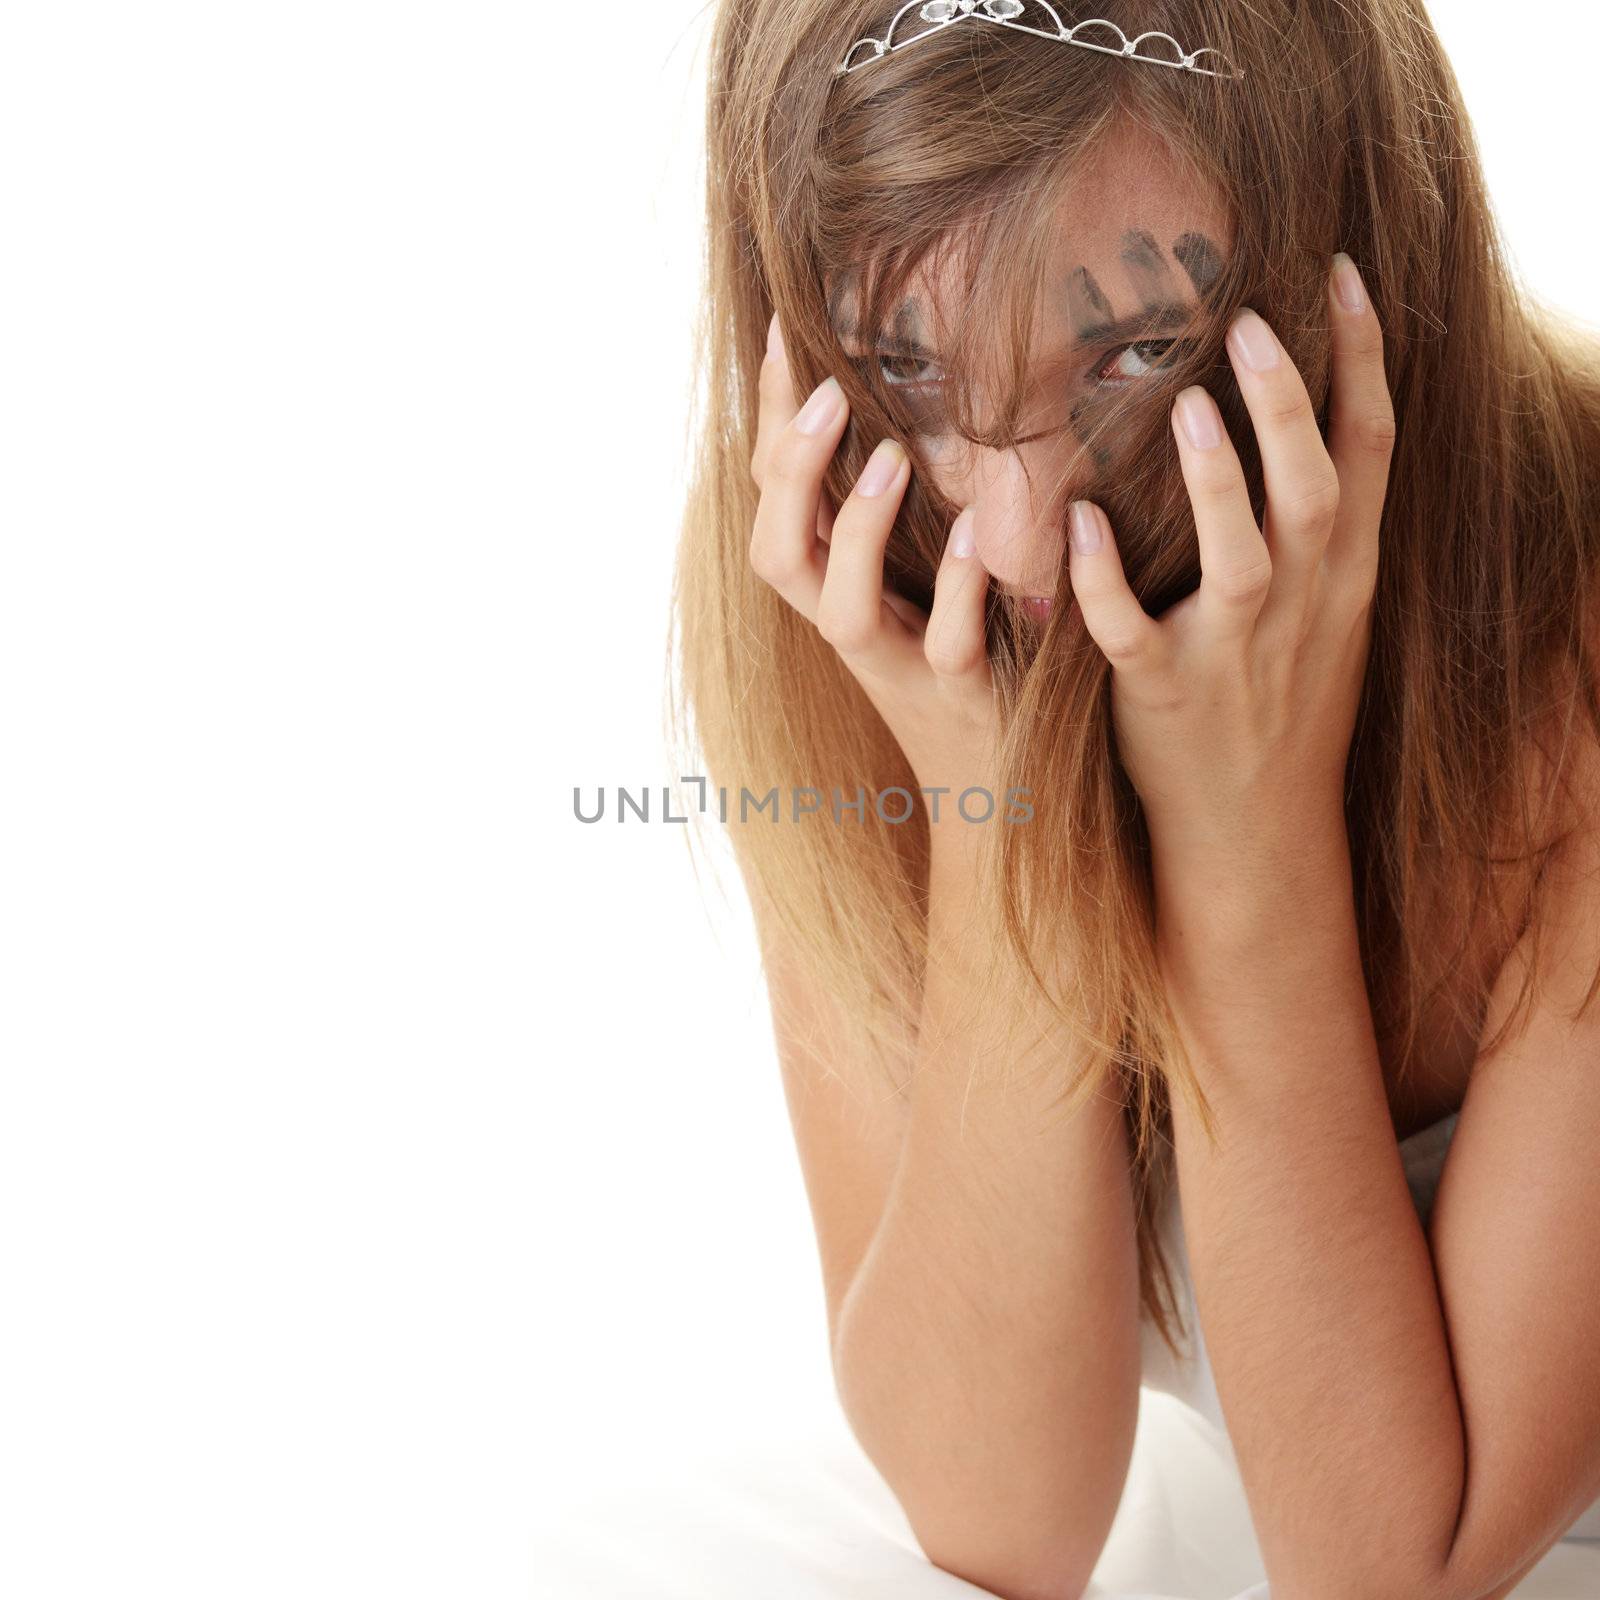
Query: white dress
x,y
1191,1379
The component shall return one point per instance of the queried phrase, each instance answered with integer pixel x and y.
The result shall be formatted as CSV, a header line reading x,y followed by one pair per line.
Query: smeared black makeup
x,y
897,358
908,324
901,361
1146,268
1162,307
1087,306
1101,451
1198,257
844,326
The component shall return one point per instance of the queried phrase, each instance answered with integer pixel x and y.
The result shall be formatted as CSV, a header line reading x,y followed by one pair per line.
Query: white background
x,y
383,1155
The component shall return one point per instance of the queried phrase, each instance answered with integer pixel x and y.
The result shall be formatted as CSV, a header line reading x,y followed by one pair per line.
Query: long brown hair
x,y
1347,132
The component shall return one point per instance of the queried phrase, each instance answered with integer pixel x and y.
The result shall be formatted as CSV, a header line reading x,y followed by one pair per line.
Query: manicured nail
x,y
821,408
1347,284
882,468
1201,420
1253,341
963,537
1085,528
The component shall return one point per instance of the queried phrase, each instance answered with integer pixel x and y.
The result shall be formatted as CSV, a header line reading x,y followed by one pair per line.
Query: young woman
x,y
1144,559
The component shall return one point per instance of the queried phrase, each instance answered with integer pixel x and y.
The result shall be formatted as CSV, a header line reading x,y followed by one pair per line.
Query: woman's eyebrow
x,y
1162,317
1119,330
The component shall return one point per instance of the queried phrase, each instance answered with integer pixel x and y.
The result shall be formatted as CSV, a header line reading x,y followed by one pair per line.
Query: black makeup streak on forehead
x,y
1087,306
1148,271
907,329
844,326
1200,258
1153,280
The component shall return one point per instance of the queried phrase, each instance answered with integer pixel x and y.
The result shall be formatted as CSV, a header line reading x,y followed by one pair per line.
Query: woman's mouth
x,y
1038,606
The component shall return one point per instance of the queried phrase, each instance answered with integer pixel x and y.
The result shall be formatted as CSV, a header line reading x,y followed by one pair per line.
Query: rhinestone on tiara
x,y
1004,13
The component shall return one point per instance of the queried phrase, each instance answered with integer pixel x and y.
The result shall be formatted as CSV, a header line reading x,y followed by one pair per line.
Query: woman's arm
x,y
1414,1414
1312,1273
1410,1411
847,1135
988,1351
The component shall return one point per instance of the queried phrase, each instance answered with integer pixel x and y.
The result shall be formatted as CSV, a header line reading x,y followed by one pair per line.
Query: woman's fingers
x,y
854,614
1131,639
829,565
776,402
954,642
1301,483
1361,426
1235,565
784,546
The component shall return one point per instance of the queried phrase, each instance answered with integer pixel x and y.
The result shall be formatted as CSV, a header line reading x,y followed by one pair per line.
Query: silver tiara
x,y
1003,13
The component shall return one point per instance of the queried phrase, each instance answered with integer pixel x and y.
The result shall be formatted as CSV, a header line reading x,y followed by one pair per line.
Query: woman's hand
x,y
927,674
1235,709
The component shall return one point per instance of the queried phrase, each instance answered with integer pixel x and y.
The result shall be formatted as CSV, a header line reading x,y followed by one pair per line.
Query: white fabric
x,y
811,1519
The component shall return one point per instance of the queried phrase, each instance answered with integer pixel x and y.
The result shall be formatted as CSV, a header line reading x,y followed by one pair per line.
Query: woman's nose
x,y
1018,523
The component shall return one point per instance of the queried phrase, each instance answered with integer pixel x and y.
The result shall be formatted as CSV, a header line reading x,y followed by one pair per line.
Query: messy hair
x,y
1347,133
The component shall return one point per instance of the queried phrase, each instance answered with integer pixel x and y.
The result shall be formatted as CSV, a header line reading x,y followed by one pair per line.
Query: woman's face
x,y
1137,248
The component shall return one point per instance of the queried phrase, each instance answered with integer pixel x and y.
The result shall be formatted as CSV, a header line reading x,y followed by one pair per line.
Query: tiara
x,y
941,13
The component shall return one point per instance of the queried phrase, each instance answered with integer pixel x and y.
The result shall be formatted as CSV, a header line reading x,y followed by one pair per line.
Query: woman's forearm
x,y
1314,1277
988,1352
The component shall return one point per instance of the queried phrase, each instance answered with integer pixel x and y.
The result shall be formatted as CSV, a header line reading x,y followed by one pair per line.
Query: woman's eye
x,y
1134,360
902,370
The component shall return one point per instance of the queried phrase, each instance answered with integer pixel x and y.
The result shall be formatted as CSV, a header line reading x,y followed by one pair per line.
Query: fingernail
x,y
1201,420
882,468
1347,284
1085,528
774,341
821,408
1253,341
963,536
